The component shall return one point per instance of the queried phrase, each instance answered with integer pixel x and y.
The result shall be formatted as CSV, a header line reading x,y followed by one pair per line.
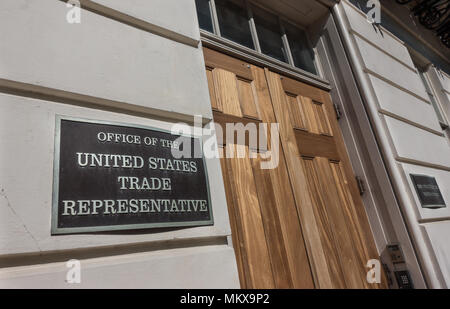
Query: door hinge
x,y
337,109
361,185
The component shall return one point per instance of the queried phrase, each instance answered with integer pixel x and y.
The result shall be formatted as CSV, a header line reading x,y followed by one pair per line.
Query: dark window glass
x,y
301,52
233,22
204,15
269,34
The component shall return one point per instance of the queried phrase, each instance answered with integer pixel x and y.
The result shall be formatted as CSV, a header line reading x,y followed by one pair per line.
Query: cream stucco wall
x,y
147,70
408,127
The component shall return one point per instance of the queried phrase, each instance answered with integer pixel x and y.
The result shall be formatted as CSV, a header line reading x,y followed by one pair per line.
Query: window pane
x,y
301,52
269,34
233,22
204,15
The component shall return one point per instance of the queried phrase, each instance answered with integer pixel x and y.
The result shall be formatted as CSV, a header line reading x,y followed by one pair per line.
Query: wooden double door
x,y
301,224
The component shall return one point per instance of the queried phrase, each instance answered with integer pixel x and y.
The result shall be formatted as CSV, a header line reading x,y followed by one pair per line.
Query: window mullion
x,y
212,7
285,41
253,31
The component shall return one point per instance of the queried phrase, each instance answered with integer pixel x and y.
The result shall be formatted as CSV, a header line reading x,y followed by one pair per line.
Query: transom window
x,y
256,28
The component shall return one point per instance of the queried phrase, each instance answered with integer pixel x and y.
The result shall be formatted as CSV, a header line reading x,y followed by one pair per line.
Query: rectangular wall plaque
x,y
112,176
428,191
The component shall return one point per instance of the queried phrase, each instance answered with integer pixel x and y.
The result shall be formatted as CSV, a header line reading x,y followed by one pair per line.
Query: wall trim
x,y
394,84
425,274
55,256
412,123
137,23
66,97
362,37
422,163
433,220
356,9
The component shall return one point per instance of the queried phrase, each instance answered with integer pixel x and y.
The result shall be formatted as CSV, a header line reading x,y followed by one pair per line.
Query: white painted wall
x,y
101,57
174,15
408,120
156,80
412,143
168,269
393,100
437,234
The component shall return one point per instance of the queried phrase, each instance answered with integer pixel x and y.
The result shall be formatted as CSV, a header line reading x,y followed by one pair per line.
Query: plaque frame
x,y
55,230
422,203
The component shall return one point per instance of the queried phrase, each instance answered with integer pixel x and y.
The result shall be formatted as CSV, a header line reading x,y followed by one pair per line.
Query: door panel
x,y
302,224
284,210
334,230
225,85
253,233
304,204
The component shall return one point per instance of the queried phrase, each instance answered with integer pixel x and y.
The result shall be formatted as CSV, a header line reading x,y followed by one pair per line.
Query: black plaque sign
x,y
428,191
110,176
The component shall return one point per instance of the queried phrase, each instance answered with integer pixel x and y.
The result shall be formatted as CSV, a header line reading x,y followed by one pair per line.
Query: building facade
x,y
352,98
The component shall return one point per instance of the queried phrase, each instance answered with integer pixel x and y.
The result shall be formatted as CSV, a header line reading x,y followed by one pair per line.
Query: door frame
x,y
380,200
366,160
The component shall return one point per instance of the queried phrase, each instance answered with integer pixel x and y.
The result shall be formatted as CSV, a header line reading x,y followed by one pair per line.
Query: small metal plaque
x,y
395,253
112,176
428,191
404,280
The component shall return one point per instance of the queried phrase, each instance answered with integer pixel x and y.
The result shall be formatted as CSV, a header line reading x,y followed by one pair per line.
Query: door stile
x,y
305,207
